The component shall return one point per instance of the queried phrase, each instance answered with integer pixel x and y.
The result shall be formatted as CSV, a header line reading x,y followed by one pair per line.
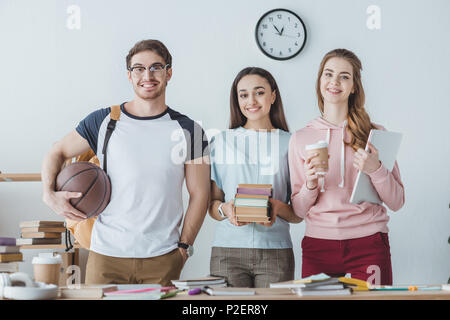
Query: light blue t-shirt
x,y
248,156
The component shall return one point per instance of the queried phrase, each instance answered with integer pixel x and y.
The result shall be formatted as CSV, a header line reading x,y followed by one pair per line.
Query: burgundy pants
x,y
366,258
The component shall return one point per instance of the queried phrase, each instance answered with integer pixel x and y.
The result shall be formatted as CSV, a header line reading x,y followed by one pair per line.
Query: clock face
x,y
280,34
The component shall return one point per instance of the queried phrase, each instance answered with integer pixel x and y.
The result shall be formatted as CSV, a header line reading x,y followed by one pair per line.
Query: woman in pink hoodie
x,y
342,237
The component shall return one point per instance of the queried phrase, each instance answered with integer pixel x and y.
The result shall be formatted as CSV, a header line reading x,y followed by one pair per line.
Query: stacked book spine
x,y
40,232
189,284
10,255
252,204
317,285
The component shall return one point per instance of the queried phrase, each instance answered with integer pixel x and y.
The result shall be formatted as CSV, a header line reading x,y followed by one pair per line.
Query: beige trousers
x,y
101,269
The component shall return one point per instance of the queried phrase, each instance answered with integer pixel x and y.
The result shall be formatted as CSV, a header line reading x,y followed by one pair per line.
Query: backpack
x,y
82,230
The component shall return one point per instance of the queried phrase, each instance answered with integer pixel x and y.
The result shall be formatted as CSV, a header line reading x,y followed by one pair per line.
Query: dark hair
x,y
237,119
152,45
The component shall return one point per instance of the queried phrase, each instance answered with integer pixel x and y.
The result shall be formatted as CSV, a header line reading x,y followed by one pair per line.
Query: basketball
x,y
91,181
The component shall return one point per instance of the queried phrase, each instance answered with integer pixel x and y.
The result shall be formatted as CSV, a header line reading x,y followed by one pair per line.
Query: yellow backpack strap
x,y
88,155
115,112
81,230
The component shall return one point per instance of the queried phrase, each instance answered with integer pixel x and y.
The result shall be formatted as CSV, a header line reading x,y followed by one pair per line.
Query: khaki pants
x,y
102,269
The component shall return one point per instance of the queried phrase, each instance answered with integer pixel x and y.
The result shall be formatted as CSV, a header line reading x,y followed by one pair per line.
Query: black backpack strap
x,y
114,117
109,131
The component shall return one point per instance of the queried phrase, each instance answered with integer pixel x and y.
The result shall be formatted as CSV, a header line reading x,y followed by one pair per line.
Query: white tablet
x,y
388,144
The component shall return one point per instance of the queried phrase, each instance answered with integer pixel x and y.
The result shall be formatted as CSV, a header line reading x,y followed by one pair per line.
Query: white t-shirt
x,y
146,157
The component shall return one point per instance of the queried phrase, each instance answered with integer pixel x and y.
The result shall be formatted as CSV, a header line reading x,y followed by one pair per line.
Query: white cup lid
x,y
47,260
318,145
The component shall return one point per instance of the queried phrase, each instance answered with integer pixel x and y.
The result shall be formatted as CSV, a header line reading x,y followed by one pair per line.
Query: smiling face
x,y
149,85
336,81
255,97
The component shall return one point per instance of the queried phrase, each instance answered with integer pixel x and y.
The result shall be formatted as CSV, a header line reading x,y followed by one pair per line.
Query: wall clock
x,y
280,34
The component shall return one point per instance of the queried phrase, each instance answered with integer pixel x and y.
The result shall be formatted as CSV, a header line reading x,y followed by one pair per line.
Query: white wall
x,y
51,77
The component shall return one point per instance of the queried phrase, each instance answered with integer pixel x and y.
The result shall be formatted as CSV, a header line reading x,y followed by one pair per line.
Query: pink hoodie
x,y
329,214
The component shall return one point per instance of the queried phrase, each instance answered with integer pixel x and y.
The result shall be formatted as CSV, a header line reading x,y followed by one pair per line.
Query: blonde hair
x,y
358,121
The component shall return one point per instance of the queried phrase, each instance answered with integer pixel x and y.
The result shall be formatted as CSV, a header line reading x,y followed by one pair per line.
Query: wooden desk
x,y
11,177
285,294
48,246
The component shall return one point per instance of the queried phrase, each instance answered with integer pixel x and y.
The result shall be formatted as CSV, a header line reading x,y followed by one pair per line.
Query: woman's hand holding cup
x,y
312,179
316,163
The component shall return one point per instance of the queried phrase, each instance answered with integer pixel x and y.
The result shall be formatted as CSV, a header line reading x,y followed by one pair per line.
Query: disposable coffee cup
x,y
46,269
320,147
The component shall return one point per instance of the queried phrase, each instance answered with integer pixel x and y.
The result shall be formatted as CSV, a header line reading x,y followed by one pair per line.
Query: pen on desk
x,y
409,288
430,288
169,294
162,289
390,289
195,291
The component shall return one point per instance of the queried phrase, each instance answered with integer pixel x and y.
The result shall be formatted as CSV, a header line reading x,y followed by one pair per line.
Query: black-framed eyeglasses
x,y
156,68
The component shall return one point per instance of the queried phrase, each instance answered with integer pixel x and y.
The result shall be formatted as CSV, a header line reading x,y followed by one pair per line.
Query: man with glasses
x,y
153,148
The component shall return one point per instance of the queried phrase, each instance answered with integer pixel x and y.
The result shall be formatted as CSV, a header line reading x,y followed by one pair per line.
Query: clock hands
x,y
279,33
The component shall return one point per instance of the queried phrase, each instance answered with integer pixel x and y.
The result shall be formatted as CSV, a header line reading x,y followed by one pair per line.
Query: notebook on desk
x,y
229,291
387,144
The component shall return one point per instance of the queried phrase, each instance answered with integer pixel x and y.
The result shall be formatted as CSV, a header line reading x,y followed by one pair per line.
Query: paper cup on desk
x,y
46,269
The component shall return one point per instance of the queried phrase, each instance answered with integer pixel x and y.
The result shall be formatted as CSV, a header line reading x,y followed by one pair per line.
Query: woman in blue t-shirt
x,y
254,150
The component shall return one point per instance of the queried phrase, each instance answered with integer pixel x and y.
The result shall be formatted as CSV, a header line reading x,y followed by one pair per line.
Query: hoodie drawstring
x,y
341,185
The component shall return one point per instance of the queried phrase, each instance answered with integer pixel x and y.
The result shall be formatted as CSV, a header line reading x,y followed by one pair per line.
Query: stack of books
x,y
10,255
332,286
84,291
317,285
252,202
40,232
211,282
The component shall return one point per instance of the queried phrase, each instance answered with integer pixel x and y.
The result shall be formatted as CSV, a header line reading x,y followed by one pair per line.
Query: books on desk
x,y
7,241
320,284
322,292
11,257
137,292
40,232
199,283
9,267
9,254
331,286
43,229
230,291
321,277
252,202
41,223
86,291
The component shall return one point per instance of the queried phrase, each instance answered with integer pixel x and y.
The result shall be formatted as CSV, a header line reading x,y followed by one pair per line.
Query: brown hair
x,y
152,45
237,119
358,121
